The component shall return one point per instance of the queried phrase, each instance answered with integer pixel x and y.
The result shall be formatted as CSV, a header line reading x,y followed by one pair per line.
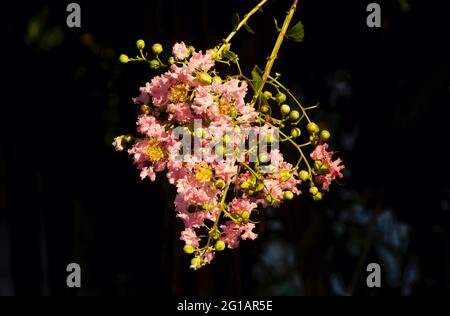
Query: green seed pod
x,y
268,94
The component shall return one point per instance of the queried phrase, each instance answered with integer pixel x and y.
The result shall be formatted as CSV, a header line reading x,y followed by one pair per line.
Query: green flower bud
x,y
199,132
269,199
124,59
303,175
220,245
154,64
321,168
217,79
245,185
189,249
157,49
285,175
250,192
245,215
296,132
313,191
269,138
288,195
259,187
214,233
128,138
317,197
325,135
140,44
221,150
220,184
267,94
191,49
196,262
294,115
172,60
264,158
281,97
204,77
312,128
285,109
265,108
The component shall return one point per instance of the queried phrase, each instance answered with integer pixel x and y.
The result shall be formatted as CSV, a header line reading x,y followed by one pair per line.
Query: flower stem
x,y
277,47
240,25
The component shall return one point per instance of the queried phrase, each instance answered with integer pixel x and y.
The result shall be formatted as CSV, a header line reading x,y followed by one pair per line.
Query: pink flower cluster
x,y
188,92
192,91
331,168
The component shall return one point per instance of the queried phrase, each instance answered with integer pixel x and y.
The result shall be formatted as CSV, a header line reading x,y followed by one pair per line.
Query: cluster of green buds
x,y
155,62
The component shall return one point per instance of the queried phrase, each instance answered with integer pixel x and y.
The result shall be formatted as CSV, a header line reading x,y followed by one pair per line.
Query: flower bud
x,y
124,59
154,64
259,187
128,138
204,77
312,127
264,158
281,97
220,245
140,44
285,175
196,263
325,135
296,132
245,215
303,175
294,115
189,249
172,60
220,184
157,49
267,94
313,191
288,195
217,79
285,109
317,197
214,233
245,185
264,109
144,109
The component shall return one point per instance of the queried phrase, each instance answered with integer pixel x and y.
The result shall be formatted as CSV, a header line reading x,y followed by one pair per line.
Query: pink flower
x,y
320,153
242,205
180,51
200,61
231,234
190,237
208,256
248,233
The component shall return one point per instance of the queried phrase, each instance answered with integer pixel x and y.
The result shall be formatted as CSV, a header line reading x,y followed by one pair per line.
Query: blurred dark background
x,y
66,196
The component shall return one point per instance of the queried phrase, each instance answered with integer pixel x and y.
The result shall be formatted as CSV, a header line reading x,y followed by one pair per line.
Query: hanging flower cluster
x,y
217,139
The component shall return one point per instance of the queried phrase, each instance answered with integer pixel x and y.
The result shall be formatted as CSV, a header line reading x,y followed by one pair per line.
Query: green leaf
x,y
276,25
249,29
229,55
235,19
296,33
256,77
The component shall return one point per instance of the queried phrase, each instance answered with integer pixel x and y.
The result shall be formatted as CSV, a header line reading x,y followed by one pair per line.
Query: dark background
x,y
66,196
